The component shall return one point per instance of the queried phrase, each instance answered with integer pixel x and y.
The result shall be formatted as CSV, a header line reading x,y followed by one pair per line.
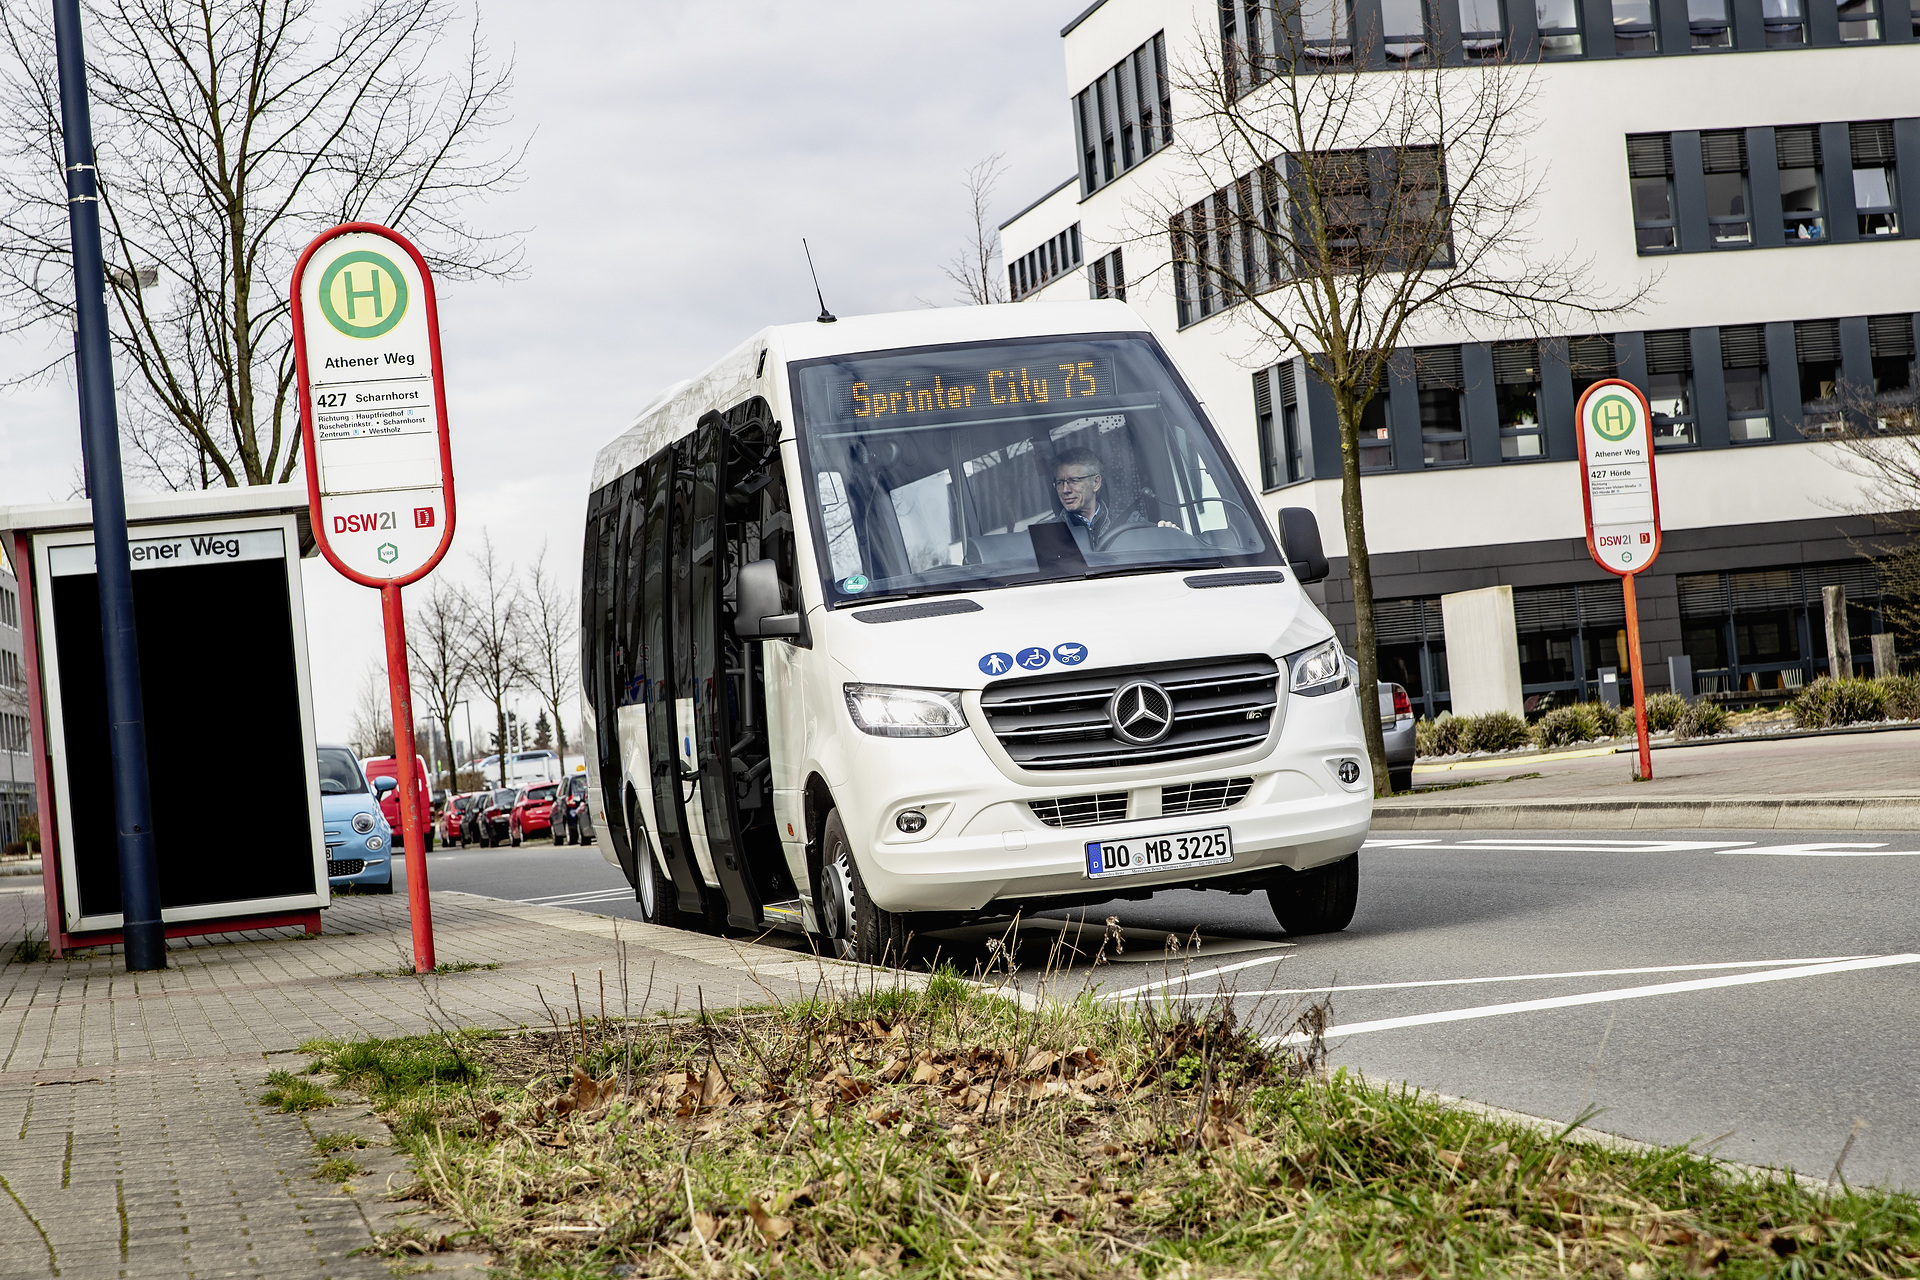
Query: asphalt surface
x,y
1785,1004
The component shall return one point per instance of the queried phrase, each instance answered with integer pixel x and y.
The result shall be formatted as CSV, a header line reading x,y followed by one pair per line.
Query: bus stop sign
x,y
366,337
1616,477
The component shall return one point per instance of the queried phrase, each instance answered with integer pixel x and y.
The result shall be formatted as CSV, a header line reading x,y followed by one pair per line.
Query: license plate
x,y
1176,850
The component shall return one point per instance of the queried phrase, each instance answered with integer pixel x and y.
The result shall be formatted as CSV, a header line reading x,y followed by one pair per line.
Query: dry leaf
x,y
1451,1159
884,1116
771,1225
705,1225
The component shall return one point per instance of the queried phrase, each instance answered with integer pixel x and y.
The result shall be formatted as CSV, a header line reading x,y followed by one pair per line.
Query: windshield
x,y
504,797
963,467
340,773
543,793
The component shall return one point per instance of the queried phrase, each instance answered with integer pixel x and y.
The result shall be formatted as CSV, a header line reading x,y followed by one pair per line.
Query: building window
x,y
1124,116
1724,158
1708,24
1859,20
1516,395
1376,434
1670,388
1743,360
1590,359
1483,29
1785,22
1650,173
1326,30
1042,266
1443,424
1890,343
1635,29
1109,277
1282,459
1379,201
1816,345
1559,22
1403,30
1873,181
1797,150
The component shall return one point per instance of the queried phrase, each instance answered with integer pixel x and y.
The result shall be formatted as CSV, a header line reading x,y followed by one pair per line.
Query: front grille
x,y
1204,797
345,866
1060,722
1081,811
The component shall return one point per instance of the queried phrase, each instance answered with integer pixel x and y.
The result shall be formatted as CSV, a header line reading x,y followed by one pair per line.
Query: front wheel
x,y
859,930
515,837
1319,900
429,843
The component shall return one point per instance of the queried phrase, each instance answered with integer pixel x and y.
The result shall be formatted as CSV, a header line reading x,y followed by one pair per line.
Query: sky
x,y
677,154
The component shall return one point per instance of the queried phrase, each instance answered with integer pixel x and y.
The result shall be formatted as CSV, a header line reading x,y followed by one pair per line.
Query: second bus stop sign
x,y
367,346
1616,479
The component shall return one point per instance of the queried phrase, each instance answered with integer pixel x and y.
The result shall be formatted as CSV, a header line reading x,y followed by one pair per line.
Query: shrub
x,y
1438,737
29,831
1581,722
1828,702
1664,711
1702,720
1903,697
1625,724
1493,731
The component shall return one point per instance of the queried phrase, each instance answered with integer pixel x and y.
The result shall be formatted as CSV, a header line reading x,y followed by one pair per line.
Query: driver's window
x,y
836,521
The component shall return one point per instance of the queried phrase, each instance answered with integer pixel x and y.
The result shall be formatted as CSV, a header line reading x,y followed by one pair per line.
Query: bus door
x,y
659,484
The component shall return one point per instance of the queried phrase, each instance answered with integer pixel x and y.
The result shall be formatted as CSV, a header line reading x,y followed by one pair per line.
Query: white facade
x,y
1727,508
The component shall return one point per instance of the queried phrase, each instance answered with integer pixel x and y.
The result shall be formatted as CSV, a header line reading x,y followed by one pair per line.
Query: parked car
x,y
456,821
389,767
494,817
1396,729
573,800
533,811
359,841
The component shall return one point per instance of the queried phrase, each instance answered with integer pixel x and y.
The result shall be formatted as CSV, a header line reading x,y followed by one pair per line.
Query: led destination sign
x,y
934,390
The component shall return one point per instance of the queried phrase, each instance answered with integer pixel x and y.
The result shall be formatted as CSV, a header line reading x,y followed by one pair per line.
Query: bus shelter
x,y
231,760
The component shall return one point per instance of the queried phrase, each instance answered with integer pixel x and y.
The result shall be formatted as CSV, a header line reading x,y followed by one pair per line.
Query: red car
x,y
456,824
389,767
533,811
492,817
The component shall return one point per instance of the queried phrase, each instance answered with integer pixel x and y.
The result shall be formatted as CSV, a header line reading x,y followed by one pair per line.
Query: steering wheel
x,y
1141,534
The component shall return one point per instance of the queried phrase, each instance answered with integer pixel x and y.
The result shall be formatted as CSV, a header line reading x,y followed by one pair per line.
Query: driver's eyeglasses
x,y
1073,482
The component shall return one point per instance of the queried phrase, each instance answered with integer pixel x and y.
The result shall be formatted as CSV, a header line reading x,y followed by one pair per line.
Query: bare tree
x,y
373,715
1344,212
438,638
229,133
976,268
495,639
552,663
1878,434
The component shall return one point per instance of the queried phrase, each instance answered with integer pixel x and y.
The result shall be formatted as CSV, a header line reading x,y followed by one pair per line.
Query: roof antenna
x,y
825,316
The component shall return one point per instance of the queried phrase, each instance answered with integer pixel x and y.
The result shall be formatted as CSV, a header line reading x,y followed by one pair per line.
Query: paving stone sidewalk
x,y
132,1140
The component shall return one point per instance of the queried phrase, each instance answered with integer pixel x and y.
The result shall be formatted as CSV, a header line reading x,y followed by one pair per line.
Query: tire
x,y
384,888
429,848
515,838
857,929
1320,900
1400,777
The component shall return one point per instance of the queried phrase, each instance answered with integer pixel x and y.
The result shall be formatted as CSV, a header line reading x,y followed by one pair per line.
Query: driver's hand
x,y
1168,524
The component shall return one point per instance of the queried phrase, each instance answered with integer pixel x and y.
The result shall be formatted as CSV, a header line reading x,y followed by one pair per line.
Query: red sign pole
x,y
400,690
1645,771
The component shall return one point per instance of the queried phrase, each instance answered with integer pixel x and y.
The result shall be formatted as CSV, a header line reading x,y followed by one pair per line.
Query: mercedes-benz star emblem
x,y
1141,713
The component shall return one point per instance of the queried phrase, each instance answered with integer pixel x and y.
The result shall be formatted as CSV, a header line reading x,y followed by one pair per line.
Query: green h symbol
x,y
352,293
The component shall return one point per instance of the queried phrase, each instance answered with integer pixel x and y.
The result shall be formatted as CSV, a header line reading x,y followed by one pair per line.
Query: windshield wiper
x,y
1122,570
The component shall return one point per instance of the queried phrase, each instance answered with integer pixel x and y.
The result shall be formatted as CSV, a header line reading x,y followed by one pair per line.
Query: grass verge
x,y
945,1133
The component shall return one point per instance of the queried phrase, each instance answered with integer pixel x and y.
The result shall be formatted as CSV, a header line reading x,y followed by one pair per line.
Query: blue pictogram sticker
x,y
1033,659
1095,864
1070,655
855,584
997,664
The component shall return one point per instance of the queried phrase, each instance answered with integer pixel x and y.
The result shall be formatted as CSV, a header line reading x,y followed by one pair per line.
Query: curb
x,y
1787,813
21,868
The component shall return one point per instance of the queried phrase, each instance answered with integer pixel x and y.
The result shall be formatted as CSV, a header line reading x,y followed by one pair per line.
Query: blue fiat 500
x,y
359,843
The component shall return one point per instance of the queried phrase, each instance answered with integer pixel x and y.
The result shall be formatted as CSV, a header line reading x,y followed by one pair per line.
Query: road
x,y
1758,992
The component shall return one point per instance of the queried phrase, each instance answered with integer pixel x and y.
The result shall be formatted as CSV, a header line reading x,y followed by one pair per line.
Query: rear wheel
x,y
859,930
1400,777
1319,900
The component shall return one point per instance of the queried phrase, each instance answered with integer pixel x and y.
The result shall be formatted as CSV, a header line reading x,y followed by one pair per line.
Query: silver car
x,y
1396,729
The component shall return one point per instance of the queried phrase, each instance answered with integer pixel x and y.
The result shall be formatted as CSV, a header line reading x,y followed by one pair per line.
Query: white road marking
x,y
1533,977
1203,973
565,899
1602,997
1529,845
1829,851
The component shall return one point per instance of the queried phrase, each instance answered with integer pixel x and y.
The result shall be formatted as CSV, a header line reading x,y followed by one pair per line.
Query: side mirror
x,y
383,785
758,615
1300,536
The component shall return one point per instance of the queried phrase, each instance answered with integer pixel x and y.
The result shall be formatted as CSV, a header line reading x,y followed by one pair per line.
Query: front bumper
x,y
983,842
376,866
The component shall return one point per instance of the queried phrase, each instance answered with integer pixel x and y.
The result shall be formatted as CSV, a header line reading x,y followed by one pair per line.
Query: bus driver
x,y
1077,484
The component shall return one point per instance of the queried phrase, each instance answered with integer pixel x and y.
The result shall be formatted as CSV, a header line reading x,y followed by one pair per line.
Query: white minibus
x,y
905,620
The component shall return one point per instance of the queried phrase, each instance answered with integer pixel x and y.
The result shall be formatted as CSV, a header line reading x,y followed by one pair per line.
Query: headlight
x,y
376,843
363,822
905,713
1321,669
